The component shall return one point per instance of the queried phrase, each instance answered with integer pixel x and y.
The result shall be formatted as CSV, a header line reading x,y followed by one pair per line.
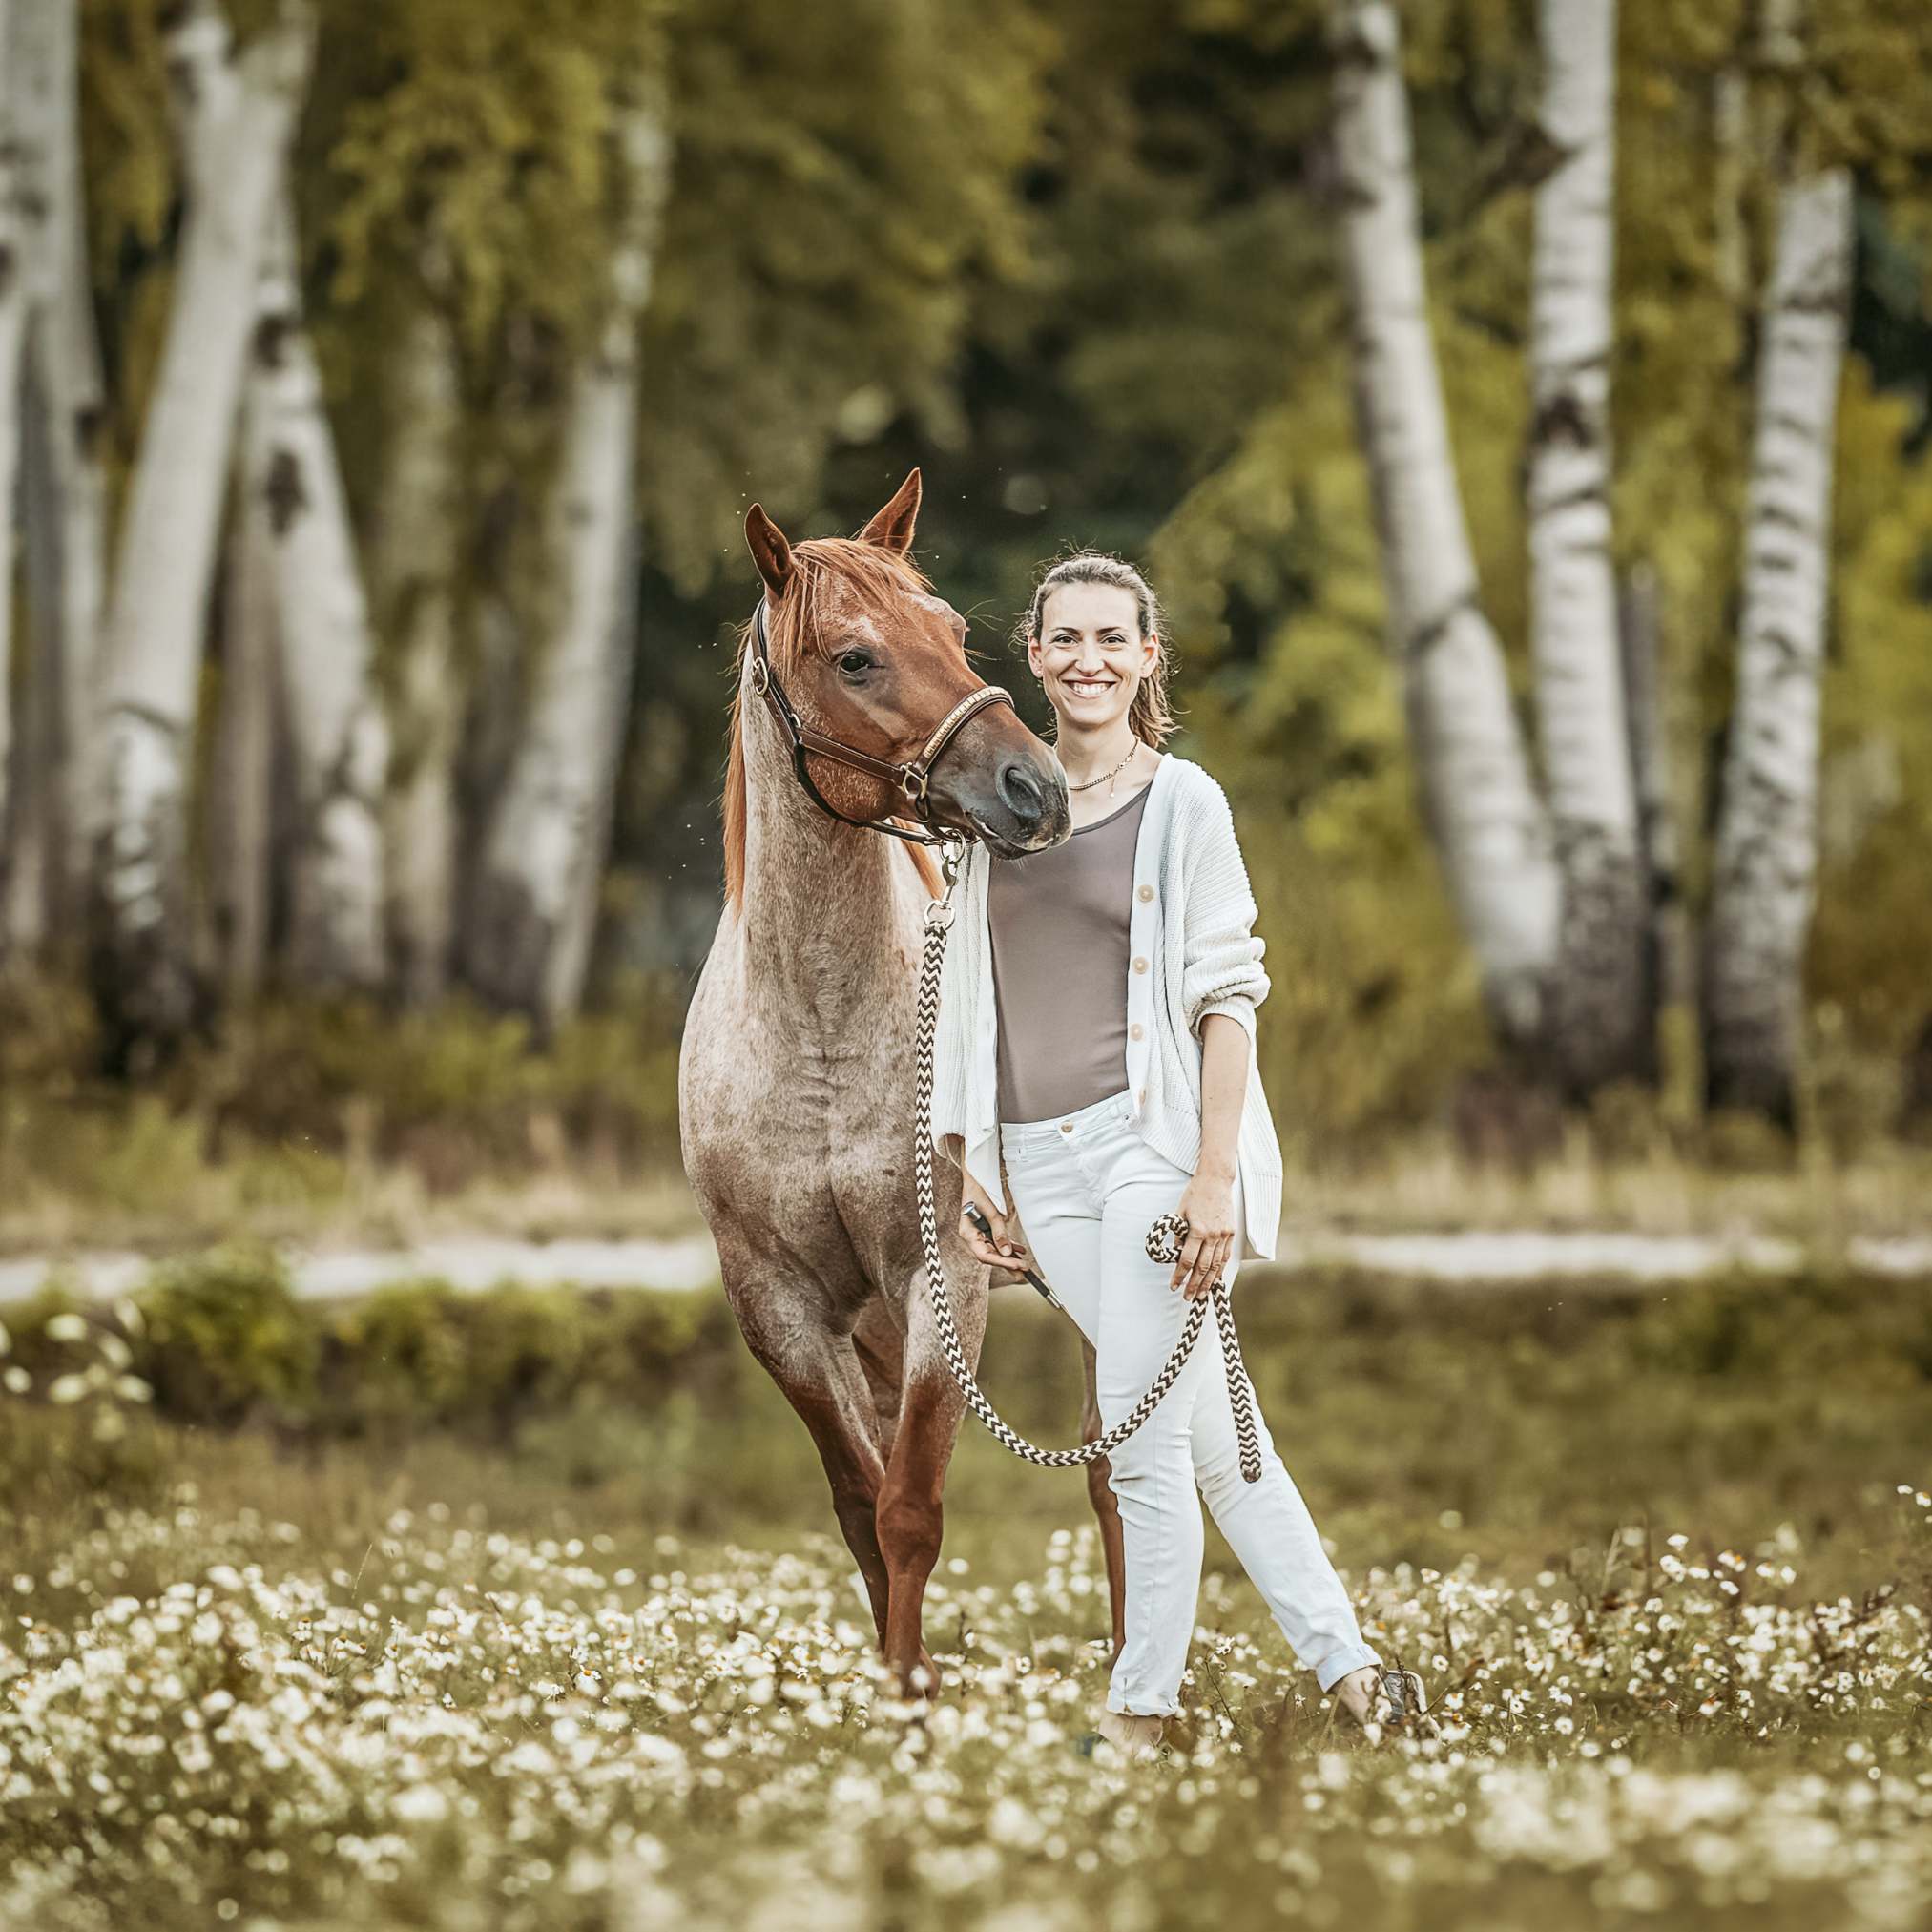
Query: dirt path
x,y
691,1262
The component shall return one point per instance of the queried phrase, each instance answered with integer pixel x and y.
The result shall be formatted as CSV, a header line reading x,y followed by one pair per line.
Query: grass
x,y
146,1179
1422,1183
338,1122
595,1663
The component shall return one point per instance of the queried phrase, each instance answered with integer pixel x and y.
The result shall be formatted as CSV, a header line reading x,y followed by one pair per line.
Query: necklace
x,y
1103,777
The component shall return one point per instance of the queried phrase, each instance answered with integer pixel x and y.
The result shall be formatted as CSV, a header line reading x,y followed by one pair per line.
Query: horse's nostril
x,y
1022,793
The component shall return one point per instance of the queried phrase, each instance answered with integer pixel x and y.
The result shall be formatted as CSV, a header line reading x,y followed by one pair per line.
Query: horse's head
x,y
870,655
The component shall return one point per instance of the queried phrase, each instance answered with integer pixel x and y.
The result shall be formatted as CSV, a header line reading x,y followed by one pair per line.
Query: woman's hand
x,y
1208,1206
1002,1252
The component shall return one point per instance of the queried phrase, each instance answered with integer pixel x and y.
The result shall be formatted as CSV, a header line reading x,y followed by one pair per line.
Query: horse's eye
x,y
854,662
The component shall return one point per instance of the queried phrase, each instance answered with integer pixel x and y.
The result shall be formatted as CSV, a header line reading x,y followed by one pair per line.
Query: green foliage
x,y
1600,1400
471,160
295,1102
844,199
227,1339
1873,930
465,1089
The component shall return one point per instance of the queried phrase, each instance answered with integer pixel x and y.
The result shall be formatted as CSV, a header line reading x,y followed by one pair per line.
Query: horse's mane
x,y
874,578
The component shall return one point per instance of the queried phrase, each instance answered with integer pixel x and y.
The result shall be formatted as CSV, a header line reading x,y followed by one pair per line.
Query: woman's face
x,y
1089,655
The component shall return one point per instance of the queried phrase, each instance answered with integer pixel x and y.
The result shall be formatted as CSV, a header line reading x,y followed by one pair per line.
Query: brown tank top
x,y
1058,921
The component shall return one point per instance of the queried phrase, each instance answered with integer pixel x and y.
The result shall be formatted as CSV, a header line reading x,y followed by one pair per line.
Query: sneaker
x,y
1136,1739
1406,1699
1378,1698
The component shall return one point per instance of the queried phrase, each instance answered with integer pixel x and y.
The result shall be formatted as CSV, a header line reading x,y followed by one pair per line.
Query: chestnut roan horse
x,y
796,1074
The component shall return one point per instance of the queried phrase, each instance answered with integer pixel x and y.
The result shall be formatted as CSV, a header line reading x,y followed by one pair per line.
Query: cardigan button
x,y
1135,1032
1147,892
1140,966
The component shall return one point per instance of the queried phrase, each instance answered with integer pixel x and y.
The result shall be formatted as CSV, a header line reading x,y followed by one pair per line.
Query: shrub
x,y
227,1336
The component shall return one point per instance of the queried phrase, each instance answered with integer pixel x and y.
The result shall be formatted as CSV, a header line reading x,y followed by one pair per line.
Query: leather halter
x,y
910,777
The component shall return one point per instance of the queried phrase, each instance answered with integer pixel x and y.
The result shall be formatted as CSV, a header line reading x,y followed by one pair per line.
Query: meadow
x,y
521,1609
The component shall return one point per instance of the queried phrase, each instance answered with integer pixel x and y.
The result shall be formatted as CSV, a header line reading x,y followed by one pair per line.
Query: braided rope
x,y
1163,1244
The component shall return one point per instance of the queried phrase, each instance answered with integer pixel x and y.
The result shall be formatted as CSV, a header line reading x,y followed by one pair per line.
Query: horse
x,y
796,1067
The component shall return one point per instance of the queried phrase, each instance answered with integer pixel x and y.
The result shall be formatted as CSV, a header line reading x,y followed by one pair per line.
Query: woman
x,y
1096,1059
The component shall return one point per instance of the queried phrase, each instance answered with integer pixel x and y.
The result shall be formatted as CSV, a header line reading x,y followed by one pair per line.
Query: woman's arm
x,y
1224,1090
1221,969
1208,1200
1222,981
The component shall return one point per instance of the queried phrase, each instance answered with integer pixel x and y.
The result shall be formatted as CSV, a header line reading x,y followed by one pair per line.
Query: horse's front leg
x,y
911,1515
819,1374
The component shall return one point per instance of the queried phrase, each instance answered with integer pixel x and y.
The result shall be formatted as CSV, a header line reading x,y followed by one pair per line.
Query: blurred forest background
x,y
387,381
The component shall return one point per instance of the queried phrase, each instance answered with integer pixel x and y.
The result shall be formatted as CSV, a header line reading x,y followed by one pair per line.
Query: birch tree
x,y
1482,809
530,919
334,724
1766,858
64,493
1667,938
415,560
240,807
241,110
14,293
1599,1017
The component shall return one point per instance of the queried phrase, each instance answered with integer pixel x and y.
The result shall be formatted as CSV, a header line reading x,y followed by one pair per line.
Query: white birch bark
x,y
242,111
1483,812
534,911
65,493
334,723
1766,858
1599,1018
415,561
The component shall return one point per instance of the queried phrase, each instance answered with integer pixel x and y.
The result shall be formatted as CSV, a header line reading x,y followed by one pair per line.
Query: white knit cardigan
x,y
1192,951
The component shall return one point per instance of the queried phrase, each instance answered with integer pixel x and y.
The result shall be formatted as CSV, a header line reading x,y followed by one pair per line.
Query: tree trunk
x,y
1915,1113
14,300
1669,978
1600,1021
530,922
65,493
1766,837
334,727
1486,819
242,113
415,561
240,815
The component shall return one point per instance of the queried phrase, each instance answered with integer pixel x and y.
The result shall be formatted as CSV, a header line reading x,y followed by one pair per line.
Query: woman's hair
x,y
1149,716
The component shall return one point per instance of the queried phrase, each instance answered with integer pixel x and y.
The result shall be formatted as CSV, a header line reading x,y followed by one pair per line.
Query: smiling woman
x,y
1096,1027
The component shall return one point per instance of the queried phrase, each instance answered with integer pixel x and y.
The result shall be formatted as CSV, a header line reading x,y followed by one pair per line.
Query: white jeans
x,y
1087,1188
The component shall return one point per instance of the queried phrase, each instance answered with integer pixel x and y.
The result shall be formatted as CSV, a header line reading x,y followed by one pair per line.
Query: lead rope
x,y
1163,1244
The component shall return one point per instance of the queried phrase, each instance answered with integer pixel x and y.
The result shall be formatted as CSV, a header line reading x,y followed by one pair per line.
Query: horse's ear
x,y
769,550
891,530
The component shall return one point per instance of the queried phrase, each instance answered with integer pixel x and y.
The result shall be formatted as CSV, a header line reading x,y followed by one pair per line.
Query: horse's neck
x,y
823,906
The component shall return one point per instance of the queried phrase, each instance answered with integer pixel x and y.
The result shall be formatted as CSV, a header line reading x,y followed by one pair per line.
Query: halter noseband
x,y
911,778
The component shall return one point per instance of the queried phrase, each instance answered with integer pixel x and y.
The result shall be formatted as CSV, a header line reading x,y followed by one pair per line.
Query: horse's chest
x,y
784,1128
